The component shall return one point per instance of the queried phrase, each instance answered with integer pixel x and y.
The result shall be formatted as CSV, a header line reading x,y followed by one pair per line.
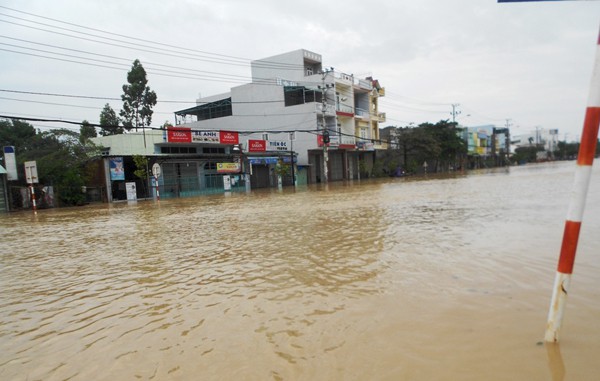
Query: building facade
x,y
486,143
286,108
188,163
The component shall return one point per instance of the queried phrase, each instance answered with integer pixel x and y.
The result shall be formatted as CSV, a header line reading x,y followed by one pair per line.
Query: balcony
x,y
363,114
329,109
344,110
343,78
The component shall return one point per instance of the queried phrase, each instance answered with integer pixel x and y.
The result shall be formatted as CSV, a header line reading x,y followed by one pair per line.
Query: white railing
x,y
329,109
344,108
362,113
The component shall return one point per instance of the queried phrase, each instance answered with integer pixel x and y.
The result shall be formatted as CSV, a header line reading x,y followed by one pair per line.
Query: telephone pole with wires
x,y
325,131
455,112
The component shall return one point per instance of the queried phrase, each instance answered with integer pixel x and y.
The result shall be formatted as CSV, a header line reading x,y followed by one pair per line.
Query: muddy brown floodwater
x,y
436,278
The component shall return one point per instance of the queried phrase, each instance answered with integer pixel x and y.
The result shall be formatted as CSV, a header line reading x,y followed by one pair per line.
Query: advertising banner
x,y
117,171
227,182
227,137
257,145
179,135
10,163
228,167
205,137
131,192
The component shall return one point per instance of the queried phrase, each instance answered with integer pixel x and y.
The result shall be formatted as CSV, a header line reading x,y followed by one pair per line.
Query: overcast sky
x,y
527,62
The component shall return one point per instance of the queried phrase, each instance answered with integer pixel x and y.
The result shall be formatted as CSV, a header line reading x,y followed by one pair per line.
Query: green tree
x,y
86,132
141,171
138,99
16,133
61,157
109,122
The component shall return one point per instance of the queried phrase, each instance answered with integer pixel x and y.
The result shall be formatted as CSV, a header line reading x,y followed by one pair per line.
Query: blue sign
x,y
117,171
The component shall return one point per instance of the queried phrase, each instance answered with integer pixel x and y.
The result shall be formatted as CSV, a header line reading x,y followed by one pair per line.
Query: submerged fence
x,y
174,187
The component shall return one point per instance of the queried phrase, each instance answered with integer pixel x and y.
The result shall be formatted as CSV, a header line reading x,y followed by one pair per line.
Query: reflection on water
x,y
440,278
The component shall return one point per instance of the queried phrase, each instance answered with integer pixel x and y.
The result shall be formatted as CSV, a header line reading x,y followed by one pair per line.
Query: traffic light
x,y
326,137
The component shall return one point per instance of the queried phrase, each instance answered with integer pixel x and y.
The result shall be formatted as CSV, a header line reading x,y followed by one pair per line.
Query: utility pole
x,y
324,129
507,140
455,112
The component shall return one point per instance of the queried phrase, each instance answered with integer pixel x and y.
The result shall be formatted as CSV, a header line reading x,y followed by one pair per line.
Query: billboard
x,y
257,145
228,137
277,145
228,167
179,135
205,136
10,162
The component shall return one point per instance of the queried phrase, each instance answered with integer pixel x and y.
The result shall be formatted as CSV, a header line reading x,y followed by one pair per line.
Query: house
x,y
189,163
291,101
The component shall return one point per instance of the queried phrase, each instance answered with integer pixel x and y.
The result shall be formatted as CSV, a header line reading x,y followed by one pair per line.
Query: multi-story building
x,y
484,142
290,102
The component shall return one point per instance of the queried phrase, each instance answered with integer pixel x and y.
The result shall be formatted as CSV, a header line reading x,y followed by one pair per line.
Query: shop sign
x,y
262,160
228,167
179,135
257,145
228,137
277,145
205,137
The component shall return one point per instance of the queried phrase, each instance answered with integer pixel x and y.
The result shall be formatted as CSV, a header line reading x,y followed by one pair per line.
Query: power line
x,y
147,64
119,99
219,58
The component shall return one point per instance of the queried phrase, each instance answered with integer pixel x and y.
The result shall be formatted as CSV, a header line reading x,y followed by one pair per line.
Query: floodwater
x,y
433,278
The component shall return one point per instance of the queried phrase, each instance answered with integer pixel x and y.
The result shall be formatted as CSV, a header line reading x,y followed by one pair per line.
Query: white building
x,y
283,110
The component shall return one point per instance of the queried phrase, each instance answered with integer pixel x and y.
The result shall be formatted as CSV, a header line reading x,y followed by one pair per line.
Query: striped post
x,y
585,159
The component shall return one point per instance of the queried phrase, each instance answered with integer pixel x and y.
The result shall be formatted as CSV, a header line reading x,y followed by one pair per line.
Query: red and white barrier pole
x,y
583,172
32,189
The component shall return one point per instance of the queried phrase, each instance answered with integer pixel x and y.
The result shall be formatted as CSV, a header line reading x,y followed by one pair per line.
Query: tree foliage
x,y
86,132
439,144
60,154
138,99
109,122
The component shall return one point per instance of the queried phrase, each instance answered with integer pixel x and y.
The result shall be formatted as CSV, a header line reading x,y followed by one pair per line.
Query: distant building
x,y
546,138
486,142
287,106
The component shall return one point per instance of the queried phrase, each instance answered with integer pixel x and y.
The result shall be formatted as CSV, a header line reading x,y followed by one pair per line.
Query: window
x,y
298,95
216,150
309,71
177,150
363,133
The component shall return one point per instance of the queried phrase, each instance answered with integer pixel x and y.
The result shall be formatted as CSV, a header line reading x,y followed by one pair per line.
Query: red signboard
x,y
257,145
179,135
227,137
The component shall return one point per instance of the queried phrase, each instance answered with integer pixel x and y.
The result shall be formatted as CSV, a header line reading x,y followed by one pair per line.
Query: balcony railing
x,y
344,108
362,113
329,109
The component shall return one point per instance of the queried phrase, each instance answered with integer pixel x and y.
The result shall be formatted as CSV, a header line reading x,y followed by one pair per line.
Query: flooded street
x,y
433,278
